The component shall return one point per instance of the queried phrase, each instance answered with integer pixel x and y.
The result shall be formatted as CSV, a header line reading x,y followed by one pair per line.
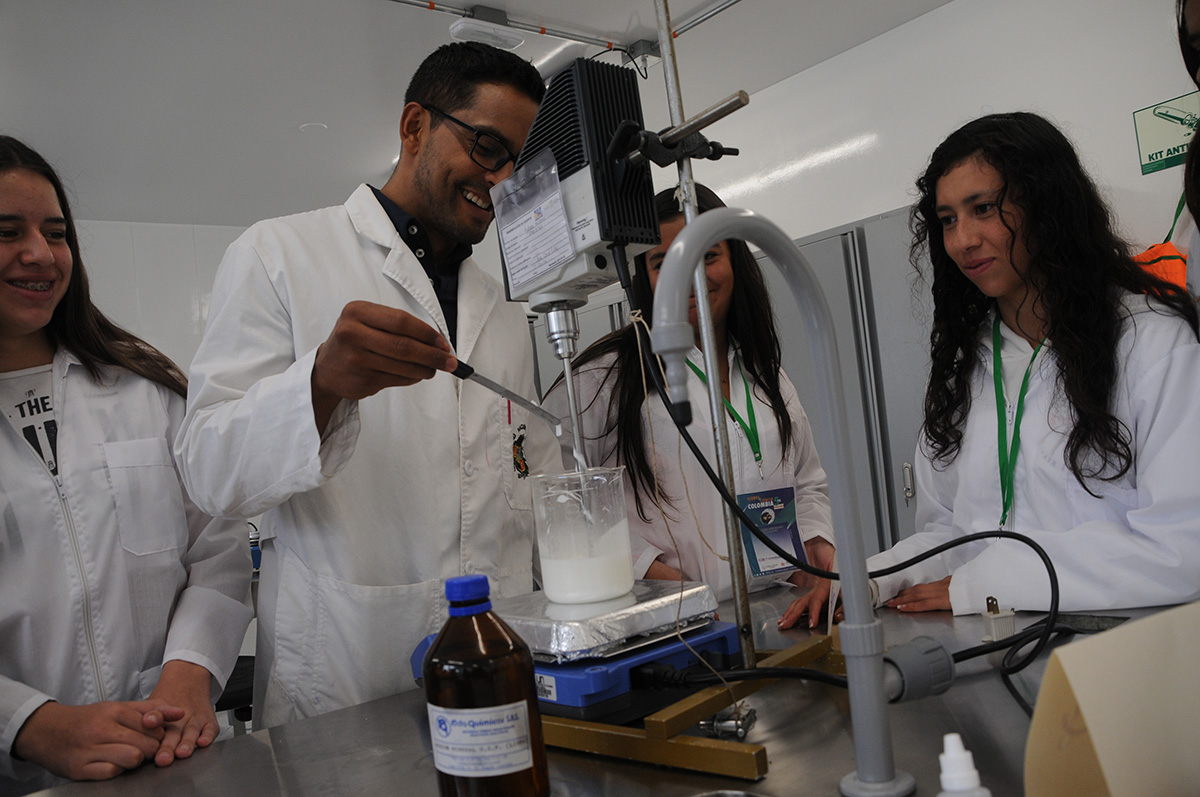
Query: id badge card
x,y
774,512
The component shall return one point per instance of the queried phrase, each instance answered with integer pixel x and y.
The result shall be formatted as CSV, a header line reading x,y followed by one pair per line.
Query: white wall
x,y
845,139
834,144
155,279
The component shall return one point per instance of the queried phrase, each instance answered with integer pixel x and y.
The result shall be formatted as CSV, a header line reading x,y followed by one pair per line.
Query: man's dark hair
x,y
448,78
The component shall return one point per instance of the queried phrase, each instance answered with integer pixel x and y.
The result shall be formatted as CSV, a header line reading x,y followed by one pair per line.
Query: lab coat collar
x,y
63,359
984,343
731,356
401,265
477,293
416,237
370,219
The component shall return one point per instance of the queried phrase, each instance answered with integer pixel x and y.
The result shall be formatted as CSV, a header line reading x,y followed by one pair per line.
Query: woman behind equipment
x,y
677,529
122,607
1098,370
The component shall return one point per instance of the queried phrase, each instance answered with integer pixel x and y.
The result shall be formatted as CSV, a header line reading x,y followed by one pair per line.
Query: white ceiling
x,y
189,111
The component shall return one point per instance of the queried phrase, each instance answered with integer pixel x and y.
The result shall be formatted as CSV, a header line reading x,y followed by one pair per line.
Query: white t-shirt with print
x,y
26,399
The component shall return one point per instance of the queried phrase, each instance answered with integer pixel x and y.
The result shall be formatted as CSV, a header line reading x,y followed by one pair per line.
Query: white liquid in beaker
x,y
607,574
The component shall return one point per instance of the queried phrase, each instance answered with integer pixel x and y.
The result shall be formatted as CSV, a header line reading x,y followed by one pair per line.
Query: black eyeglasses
x,y
486,150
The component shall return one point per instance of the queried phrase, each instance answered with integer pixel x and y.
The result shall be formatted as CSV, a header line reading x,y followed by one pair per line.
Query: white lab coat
x,y
1137,544
800,468
108,570
407,488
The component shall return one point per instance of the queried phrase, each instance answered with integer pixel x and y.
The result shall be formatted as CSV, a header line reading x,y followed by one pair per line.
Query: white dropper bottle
x,y
960,778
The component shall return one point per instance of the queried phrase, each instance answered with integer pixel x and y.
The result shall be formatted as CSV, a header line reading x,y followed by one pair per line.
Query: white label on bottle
x,y
480,742
547,687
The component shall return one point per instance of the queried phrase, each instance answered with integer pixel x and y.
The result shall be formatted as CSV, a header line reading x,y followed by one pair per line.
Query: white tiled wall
x,y
155,279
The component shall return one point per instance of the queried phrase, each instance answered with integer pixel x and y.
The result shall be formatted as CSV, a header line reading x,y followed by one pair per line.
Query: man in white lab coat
x,y
318,398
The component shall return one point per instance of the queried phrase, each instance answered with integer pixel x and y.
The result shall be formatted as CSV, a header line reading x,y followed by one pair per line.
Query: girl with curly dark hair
x,y
1064,393
1095,365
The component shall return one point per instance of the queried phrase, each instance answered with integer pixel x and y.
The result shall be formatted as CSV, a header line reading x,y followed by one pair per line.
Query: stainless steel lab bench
x,y
383,747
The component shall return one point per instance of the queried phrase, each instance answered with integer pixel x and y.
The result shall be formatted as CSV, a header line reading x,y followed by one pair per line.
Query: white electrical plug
x,y
1000,624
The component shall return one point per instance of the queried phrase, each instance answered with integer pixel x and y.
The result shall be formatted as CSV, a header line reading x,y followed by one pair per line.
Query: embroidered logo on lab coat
x,y
520,465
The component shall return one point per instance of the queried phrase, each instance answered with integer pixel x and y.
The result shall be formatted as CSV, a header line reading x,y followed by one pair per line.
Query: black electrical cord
x,y
801,673
643,73
1007,670
1043,638
1020,640
663,676
1006,679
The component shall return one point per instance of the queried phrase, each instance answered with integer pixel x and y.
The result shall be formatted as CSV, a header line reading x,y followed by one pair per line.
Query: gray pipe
x,y
861,633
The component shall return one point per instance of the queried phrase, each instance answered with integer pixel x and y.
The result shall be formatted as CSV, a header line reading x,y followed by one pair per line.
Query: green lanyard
x,y
1008,457
751,429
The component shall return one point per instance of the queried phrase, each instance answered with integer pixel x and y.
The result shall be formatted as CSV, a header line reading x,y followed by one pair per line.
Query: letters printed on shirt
x,y
26,398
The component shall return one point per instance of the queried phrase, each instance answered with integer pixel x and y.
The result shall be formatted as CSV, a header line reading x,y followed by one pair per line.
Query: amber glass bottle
x,y
482,702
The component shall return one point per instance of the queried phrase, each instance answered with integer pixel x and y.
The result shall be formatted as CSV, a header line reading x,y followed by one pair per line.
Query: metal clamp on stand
x,y
676,144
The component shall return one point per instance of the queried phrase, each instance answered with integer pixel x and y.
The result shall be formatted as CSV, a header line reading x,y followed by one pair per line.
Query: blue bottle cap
x,y
467,588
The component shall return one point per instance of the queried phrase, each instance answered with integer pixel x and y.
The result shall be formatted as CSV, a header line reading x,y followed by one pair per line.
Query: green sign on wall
x,y
1164,131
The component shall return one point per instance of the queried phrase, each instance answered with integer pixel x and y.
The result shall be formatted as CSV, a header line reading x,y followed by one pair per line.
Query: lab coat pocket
x,y
339,644
514,579
149,499
1113,505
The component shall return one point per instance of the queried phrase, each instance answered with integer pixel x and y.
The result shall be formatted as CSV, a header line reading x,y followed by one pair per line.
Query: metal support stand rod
x,y
562,330
576,433
714,113
733,537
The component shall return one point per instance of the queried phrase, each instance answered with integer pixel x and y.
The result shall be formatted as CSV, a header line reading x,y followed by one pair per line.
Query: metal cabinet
x,y
881,328
900,314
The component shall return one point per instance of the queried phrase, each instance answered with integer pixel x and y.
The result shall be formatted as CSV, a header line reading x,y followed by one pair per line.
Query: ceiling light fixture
x,y
487,26
489,14
510,25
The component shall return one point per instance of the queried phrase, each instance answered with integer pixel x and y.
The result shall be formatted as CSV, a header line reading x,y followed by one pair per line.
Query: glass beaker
x,y
583,535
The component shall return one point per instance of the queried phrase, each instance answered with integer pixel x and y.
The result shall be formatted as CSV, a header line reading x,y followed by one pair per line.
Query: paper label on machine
x,y
535,235
774,512
480,742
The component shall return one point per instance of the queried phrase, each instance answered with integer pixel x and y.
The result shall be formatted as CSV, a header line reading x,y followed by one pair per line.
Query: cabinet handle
x,y
909,487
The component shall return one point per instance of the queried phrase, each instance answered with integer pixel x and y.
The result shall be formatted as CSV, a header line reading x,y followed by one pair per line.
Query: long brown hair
x,y
77,324
751,322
